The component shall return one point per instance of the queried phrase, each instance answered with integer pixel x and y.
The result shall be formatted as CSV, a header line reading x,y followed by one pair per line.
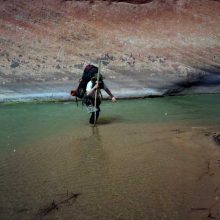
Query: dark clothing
x,y
92,118
98,103
91,93
90,101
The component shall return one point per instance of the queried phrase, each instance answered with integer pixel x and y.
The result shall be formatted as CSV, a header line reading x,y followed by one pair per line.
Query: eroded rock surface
x,y
168,44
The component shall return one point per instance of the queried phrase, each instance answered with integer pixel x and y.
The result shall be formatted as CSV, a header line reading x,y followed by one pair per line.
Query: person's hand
x,y
96,86
114,99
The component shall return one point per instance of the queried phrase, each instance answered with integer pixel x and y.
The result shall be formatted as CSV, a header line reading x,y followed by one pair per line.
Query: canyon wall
x,y
169,45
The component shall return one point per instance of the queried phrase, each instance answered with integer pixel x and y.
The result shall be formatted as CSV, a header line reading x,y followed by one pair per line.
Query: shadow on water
x,y
109,120
95,136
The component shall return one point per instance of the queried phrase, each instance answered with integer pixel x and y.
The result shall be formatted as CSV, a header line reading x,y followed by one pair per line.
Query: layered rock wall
x,y
169,44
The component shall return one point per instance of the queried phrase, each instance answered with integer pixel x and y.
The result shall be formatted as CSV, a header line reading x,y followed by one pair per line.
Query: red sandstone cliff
x,y
50,40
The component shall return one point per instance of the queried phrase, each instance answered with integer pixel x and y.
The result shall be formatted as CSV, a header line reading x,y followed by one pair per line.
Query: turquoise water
x,y
22,123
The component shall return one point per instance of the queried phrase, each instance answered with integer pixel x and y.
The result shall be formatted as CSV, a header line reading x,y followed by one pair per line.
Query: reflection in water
x,y
95,135
93,157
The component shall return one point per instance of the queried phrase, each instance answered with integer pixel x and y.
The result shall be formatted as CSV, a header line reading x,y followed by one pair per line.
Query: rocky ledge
x,y
148,48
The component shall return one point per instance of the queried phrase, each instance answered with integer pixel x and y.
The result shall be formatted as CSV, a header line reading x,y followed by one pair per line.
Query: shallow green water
x,y
22,123
146,159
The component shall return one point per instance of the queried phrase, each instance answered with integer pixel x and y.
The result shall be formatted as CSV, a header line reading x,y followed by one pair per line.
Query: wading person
x,y
88,90
93,96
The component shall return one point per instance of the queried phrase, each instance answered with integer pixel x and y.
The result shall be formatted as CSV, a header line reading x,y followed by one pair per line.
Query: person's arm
x,y
109,93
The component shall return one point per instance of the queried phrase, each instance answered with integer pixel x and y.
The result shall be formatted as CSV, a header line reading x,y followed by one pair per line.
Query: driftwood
x,y
210,212
216,138
48,209
56,205
71,198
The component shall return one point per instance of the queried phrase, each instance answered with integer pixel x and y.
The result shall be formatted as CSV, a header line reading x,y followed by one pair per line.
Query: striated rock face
x,y
172,44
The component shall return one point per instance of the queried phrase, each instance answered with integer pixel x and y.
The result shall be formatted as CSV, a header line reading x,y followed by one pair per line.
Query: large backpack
x,y
89,72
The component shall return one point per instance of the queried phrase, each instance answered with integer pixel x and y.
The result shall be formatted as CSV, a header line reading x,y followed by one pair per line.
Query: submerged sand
x,y
117,171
